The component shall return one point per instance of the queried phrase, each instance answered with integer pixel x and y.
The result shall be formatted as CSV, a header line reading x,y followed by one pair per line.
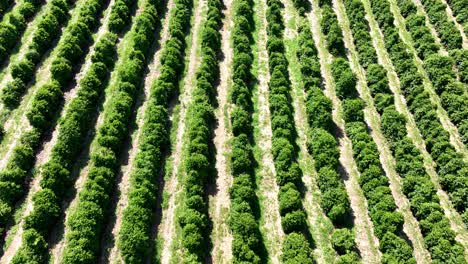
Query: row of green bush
x,y
247,241
460,10
56,173
332,30
423,40
417,185
14,24
297,244
22,72
73,129
198,155
323,146
461,61
440,68
448,32
45,103
452,92
425,43
87,221
388,223
134,238
360,29
451,167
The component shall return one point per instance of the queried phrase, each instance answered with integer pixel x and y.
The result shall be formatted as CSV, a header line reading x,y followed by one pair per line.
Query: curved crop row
x,y
12,29
417,185
22,71
439,68
448,32
86,222
323,147
56,173
297,247
388,223
460,10
246,245
198,157
451,168
45,104
134,238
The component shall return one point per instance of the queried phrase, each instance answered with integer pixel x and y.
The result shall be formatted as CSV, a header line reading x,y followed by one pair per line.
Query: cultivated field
x,y
233,131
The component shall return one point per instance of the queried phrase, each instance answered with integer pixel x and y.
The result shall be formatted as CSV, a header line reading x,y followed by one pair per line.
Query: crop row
x,y
45,104
450,165
56,173
448,32
47,31
198,157
439,68
297,247
247,239
86,223
417,185
388,223
361,31
134,239
460,10
331,29
426,45
323,147
15,24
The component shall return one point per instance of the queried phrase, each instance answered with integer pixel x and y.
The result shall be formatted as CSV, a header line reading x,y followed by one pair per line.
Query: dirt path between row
x,y
447,124
366,241
110,250
320,226
173,187
268,189
455,220
410,225
220,202
41,158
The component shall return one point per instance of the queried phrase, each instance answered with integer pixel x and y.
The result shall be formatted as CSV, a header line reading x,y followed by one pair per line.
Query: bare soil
x,y
220,200
173,188
267,188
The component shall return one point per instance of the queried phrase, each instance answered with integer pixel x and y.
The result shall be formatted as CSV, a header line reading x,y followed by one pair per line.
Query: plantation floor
x,y
173,187
270,222
219,200
414,134
366,240
411,225
320,226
